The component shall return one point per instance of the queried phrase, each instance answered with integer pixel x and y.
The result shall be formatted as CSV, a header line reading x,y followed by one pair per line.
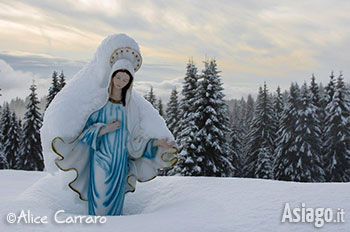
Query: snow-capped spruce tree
x,y
261,138
54,89
337,133
13,143
315,95
1,147
264,164
188,142
246,116
308,166
236,141
31,157
318,102
248,112
278,105
285,159
322,90
3,160
151,98
173,113
330,89
160,107
20,135
5,122
215,152
5,128
62,80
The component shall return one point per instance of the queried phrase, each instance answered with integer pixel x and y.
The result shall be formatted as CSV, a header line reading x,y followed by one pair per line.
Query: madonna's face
x,y
120,80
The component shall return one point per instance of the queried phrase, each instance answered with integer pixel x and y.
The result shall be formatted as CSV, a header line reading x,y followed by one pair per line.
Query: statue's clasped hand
x,y
110,127
113,125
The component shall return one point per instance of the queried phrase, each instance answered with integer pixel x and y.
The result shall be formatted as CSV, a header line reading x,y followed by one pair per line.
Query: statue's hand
x,y
163,143
113,126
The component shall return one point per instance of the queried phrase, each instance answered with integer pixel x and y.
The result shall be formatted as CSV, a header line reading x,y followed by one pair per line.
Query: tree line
x,y
300,135
20,146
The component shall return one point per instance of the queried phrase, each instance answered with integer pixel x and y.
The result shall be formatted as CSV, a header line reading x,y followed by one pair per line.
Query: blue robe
x,y
109,160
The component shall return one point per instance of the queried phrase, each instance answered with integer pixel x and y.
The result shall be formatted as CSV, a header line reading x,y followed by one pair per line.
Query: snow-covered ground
x,y
174,204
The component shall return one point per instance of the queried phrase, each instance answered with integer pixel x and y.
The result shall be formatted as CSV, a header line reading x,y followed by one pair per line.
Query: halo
x,y
127,53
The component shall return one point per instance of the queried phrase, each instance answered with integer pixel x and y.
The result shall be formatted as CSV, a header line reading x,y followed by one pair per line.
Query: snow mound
x,y
178,203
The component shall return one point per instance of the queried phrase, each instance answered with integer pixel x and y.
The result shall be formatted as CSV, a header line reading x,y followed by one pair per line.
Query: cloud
x,y
161,89
15,83
253,41
41,64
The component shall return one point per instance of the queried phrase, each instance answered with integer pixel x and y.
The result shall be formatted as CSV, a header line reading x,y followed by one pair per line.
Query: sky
x,y
253,41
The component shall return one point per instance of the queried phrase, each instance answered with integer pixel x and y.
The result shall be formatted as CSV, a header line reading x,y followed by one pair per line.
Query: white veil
x,y
87,92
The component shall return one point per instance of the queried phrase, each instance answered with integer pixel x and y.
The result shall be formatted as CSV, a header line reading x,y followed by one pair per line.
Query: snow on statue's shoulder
x,y
150,119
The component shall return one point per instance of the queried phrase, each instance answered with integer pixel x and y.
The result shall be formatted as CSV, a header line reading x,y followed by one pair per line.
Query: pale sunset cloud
x,y
253,41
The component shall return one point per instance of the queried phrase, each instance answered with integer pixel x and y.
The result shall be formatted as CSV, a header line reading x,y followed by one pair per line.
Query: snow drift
x,y
176,203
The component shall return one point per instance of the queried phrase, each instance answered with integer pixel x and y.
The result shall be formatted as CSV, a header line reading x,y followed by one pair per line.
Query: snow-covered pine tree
x,y
236,141
188,142
330,89
173,113
284,160
213,124
285,95
2,157
3,161
337,132
264,164
261,138
315,94
278,105
278,101
151,98
307,164
246,116
53,90
20,135
12,144
62,80
249,111
1,148
31,157
160,107
322,90
5,128
328,93
319,102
